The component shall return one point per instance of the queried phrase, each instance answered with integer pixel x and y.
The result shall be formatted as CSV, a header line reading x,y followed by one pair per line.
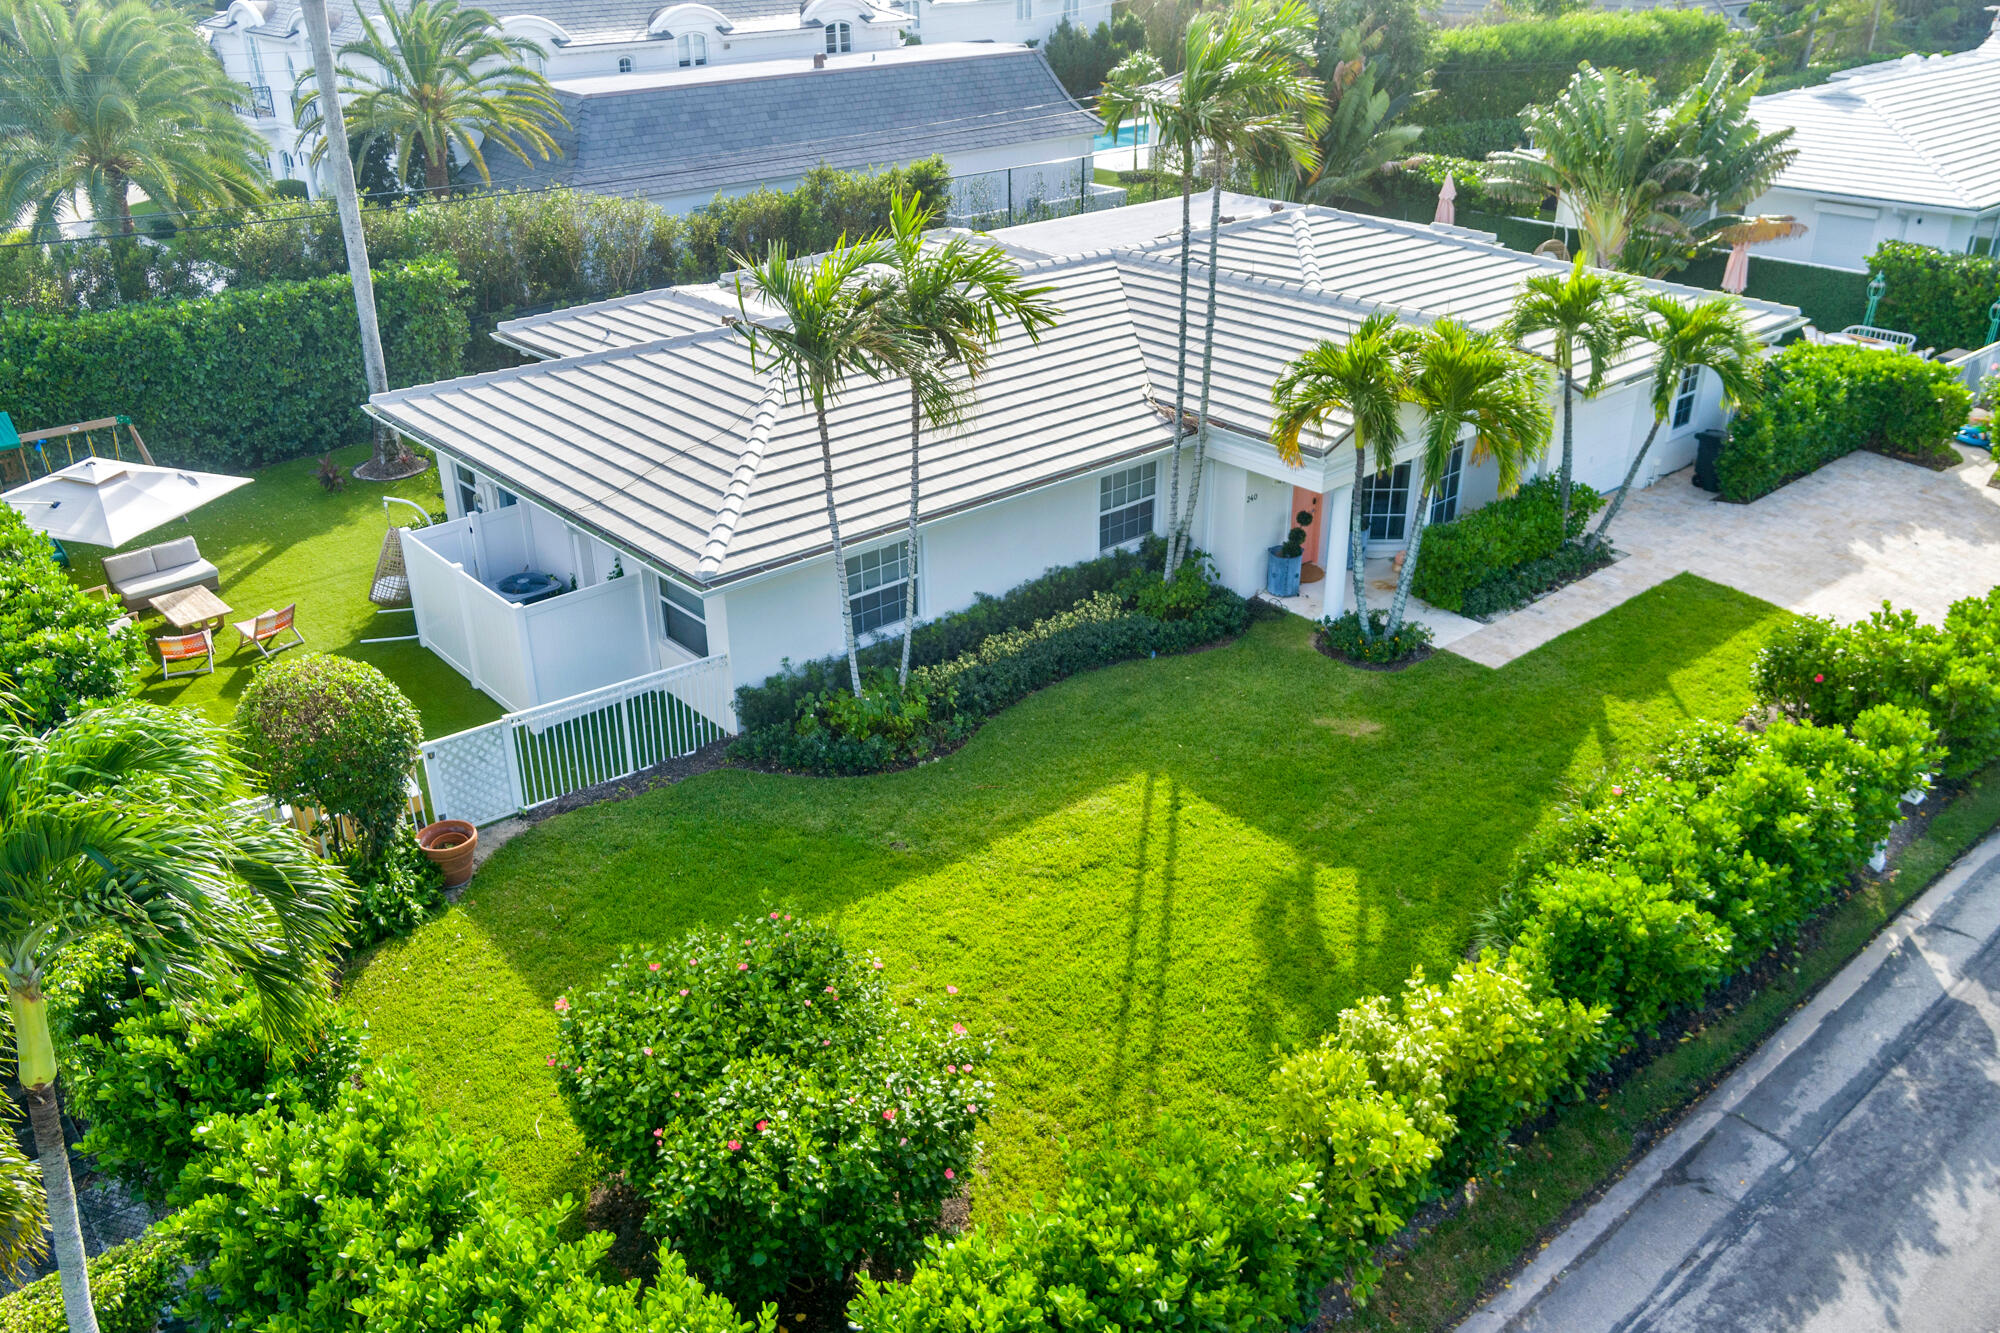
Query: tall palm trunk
x,y
1409,575
1631,478
839,551
121,201
910,556
437,170
1569,445
1356,559
1179,544
341,171
35,1052
1180,360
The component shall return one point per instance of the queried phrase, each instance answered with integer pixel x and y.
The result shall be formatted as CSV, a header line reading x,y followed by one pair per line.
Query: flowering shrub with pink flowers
x,y
786,1120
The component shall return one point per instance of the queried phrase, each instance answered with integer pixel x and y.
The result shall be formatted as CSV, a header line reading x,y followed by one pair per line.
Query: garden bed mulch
x,y
1400,664
1336,1303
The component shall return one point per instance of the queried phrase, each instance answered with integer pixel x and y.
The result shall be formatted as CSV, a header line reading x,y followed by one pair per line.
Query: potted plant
x,y
1281,571
450,844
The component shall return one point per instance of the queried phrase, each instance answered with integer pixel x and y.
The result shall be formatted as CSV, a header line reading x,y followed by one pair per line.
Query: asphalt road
x,y
1846,1179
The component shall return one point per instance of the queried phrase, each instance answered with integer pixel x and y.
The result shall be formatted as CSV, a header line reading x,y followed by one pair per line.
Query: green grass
x,y
285,539
1144,880
1451,1267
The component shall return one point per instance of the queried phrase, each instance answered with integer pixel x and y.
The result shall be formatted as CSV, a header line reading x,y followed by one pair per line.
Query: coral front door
x,y
1309,502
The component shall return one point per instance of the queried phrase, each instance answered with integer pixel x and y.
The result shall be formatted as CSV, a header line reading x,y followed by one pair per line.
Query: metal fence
x,y
1031,193
537,755
1972,367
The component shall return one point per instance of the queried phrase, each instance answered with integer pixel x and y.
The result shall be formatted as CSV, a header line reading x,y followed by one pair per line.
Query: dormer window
x,y
624,64
839,39
693,48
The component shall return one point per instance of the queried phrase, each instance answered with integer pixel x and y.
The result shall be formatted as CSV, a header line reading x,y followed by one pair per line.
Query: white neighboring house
x,y
995,113
1001,20
650,444
263,44
1904,150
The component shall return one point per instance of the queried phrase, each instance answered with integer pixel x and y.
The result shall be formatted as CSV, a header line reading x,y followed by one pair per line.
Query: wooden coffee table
x,y
190,609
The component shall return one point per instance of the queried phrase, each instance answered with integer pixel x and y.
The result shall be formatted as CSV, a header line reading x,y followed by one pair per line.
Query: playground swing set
x,y
58,446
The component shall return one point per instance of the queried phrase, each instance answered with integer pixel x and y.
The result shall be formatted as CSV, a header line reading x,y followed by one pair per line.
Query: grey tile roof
x,y
1915,131
687,455
699,130
624,321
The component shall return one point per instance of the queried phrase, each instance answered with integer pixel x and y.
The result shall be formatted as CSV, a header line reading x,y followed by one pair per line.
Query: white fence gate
x,y
532,757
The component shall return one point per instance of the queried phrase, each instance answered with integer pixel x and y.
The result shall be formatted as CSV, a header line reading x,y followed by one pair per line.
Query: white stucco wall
x,y
1002,20
1842,233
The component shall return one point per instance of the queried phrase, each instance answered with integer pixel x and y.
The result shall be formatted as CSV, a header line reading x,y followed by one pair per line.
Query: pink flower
x,y
951,990
951,1069
774,916
743,967
878,964
746,941
902,1143
831,991
652,967
826,1041
763,1125
1617,791
647,1049
1818,680
972,1108
684,990
788,916
659,1133
890,1115
950,1174
562,1005
734,1146
552,1062
958,1029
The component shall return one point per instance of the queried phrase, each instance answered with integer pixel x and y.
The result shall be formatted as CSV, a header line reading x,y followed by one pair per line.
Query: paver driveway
x,y
1838,542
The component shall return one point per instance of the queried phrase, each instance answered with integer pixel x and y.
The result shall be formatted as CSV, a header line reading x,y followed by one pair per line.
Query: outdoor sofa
x,y
146,573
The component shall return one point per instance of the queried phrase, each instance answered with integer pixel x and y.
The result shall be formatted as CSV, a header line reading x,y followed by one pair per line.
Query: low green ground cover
x,y
1145,881
282,539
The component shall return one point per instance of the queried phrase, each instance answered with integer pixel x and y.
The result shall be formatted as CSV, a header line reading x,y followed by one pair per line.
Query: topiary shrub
x,y
147,1090
130,1285
782,1120
334,733
58,652
1492,541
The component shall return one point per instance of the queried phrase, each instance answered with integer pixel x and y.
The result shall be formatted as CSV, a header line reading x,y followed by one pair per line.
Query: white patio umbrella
x,y
1447,212
108,502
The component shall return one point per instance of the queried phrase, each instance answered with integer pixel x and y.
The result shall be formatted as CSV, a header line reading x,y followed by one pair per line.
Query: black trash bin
x,y
1707,453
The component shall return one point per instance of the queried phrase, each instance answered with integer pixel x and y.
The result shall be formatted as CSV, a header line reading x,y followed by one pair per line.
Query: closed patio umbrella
x,y
1752,231
108,502
1447,212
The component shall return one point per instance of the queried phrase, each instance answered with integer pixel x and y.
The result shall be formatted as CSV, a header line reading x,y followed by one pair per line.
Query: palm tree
x,y
1589,312
1359,139
950,301
1595,148
432,77
99,99
122,819
1710,333
1242,88
836,321
1366,379
1470,382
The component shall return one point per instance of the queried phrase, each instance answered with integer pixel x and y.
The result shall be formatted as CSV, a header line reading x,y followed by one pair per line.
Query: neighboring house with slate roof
x,y
680,137
654,462
263,44
1905,150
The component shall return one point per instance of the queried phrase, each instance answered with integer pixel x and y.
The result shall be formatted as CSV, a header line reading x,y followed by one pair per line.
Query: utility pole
x,y
382,466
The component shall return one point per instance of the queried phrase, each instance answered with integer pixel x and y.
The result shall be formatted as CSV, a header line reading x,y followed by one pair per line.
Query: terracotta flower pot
x,y
449,844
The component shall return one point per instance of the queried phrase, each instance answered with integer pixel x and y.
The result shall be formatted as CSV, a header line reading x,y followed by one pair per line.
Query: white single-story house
x,y
1000,20
1904,150
679,137
652,465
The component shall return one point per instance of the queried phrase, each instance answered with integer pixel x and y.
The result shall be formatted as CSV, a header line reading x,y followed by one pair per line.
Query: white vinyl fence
x,y
1973,367
532,757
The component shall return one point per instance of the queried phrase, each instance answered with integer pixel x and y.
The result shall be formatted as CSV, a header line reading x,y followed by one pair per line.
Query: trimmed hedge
x,y
1832,298
1819,403
130,1285
1945,299
1523,583
1487,72
58,652
236,380
1492,541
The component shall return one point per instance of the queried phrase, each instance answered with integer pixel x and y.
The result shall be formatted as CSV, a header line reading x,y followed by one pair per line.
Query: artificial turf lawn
x,y
284,538
1144,880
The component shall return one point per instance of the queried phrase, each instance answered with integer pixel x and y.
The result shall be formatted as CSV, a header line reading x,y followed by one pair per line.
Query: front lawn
x,y
1146,879
284,538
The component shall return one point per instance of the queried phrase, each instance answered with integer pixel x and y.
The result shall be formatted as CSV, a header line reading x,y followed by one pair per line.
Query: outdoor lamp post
x,y
1876,286
1993,324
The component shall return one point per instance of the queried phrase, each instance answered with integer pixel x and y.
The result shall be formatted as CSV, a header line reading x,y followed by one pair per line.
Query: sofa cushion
x,y
137,590
131,565
179,551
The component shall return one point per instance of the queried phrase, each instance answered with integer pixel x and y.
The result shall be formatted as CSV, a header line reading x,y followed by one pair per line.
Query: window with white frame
x,y
1072,11
684,616
839,39
1024,10
1125,504
468,489
878,581
692,48
1444,500
504,498
1385,504
624,64
1684,396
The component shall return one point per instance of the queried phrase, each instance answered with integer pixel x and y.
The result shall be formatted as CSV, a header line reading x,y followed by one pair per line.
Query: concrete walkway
x,y
1846,1178
1838,542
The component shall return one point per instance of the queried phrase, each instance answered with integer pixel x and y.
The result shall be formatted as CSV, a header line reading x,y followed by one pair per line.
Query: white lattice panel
x,y
471,774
